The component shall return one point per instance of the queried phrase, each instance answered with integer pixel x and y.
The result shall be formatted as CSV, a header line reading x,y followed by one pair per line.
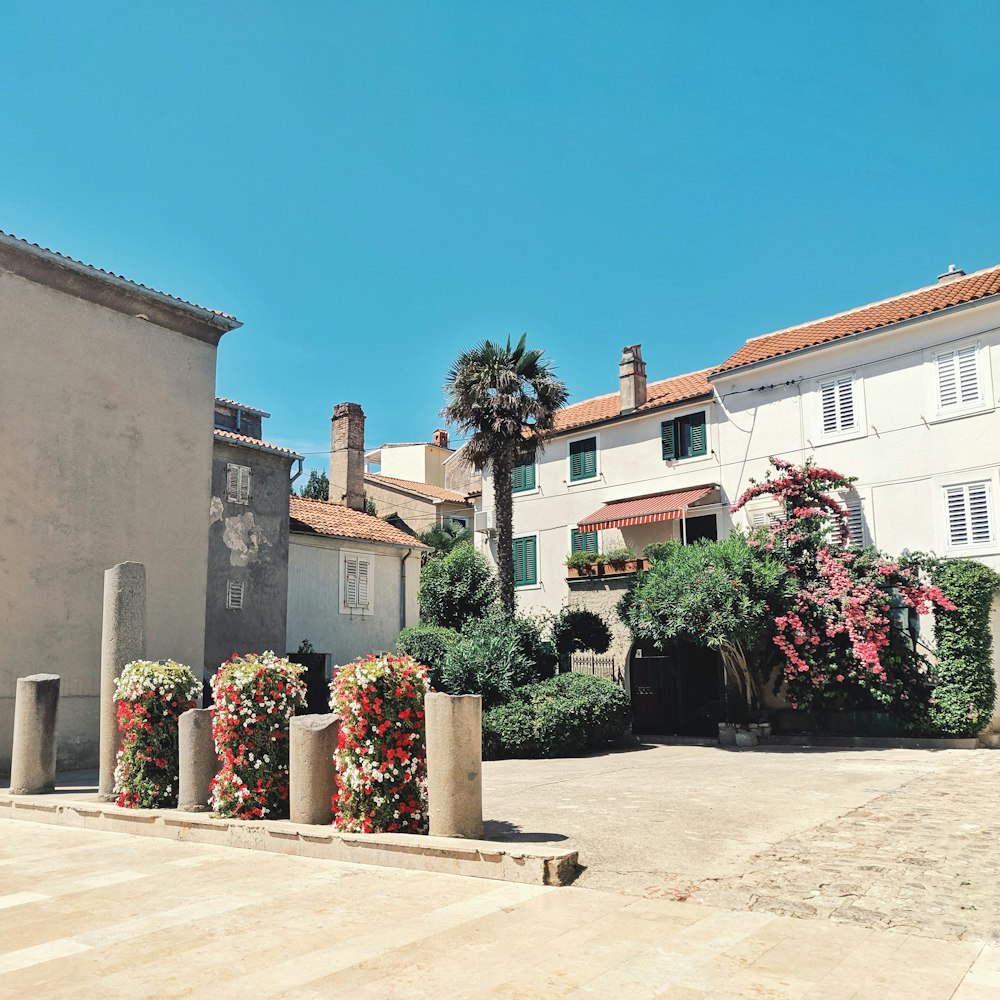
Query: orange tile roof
x,y
423,489
667,392
320,517
919,302
231,437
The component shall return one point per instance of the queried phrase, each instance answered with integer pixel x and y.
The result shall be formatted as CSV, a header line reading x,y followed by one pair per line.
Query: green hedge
x,y
564,715
429,645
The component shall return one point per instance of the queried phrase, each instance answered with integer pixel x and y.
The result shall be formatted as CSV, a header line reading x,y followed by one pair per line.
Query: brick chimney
x,y
632,378
347,455
440,438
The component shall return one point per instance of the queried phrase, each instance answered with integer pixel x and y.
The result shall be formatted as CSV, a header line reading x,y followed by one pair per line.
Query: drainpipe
x,y
297,474
402,589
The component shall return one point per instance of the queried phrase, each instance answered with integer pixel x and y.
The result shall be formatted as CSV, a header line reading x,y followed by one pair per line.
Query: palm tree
x,y
505,398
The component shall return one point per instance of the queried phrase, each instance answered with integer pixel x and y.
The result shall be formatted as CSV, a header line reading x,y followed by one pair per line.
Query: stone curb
x,y
876,742
450,856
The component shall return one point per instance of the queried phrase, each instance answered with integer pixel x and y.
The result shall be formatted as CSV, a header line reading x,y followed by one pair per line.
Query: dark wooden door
x,y
675,691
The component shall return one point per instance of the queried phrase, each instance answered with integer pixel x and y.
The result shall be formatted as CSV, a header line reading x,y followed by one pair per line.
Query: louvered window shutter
x,y
530,572
583,459
364,568
837,404
584,541
855,522
968,375
668,439
698,436
232,482
947,380
845,403
980,527
351,581
970,520
244,490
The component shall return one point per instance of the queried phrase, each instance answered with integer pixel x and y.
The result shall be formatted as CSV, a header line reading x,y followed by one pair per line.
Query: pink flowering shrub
x,y
256,696
381,755
836,634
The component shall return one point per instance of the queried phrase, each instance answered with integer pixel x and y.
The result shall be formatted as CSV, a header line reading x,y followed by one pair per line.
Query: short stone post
x,y
199,763
123,639
33,763
455,765
311,774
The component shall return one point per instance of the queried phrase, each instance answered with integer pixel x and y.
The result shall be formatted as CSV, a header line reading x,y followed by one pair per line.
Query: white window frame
x,y
984,382
238,483
576,484
362,600
860,425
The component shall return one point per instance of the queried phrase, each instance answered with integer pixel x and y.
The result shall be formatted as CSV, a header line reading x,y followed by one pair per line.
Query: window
x,y
357,583
583,459
461,522
855,524
837,410
968,513
234,595
525,561
522,476
584,541
238,483
958,378
684,437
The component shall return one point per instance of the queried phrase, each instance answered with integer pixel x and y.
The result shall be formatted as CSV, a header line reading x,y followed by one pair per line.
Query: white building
x,y
899,393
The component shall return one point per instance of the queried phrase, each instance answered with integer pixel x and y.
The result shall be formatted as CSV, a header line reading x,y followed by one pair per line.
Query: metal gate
x,y
675,692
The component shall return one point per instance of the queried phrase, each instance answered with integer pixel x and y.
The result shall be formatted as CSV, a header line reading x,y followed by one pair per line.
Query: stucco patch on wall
x,y
216,511
244,539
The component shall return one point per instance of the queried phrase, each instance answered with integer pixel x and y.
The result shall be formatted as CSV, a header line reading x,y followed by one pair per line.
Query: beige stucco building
x,y
107,391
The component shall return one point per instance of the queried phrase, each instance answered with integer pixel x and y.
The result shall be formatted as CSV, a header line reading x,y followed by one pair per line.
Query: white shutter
x,y
837,405
351,581
238,483
968,375
363,574
829,394
855,522
244,490
947,380
845,401
970,520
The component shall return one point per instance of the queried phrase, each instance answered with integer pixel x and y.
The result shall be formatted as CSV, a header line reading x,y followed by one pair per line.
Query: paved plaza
x,y
821,875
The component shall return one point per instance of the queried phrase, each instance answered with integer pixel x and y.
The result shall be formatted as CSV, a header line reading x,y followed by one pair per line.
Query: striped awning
x,y
645,510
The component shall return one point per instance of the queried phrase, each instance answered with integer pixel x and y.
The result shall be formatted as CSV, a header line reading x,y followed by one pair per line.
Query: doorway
x,y
676,690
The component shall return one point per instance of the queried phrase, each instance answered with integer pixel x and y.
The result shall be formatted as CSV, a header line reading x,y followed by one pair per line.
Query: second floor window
x,y
238,483
522,476
837,409
584,541
525,561
957,378
970,518
583,459
684,437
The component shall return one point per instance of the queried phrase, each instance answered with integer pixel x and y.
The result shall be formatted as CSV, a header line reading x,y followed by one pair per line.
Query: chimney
x,y
440,438
347,455
632,378
950,275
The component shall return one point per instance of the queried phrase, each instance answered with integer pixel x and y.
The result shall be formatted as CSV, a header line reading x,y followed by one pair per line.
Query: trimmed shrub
x,y
381,755
965,691
456,589
564,715
150,697
494,656
256,696
428,644
575,629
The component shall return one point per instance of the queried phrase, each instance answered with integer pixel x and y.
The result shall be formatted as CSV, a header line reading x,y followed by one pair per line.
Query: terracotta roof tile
x,y
231,437
424,489
919,302
240,406
667,392
319,517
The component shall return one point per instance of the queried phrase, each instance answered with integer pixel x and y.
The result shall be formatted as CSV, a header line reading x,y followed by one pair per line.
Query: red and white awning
x,y
645,510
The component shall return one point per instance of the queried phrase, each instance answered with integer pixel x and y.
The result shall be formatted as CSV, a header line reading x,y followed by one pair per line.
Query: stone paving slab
x,y
77,805
84,913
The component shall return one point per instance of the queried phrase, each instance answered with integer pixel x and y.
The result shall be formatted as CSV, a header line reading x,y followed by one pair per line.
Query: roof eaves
x,y
238,440
231,403
643,411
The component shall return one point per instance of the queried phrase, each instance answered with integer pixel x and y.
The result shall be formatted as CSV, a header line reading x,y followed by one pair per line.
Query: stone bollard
x,y
33,762
311,773
455,765
199,763
123,639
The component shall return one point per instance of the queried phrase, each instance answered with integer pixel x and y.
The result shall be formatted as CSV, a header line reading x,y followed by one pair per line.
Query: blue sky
x,y
371,187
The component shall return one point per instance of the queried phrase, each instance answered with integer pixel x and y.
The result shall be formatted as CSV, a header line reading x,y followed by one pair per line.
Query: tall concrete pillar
x,y
33,763
199,763
455,765
123,639
311,774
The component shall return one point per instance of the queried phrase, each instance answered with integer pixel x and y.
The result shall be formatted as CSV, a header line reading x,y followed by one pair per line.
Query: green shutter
x,y
699,440
525,569
584,541
583,459
667,439
522,476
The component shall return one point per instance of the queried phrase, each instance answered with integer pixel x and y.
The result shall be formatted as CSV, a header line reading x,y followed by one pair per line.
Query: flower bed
x,y
150,697
256,696
381,755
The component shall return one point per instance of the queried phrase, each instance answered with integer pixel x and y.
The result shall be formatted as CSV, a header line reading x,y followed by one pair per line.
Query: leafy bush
x,y
563,715
962,701
256,696
575,629
381,757
457,589
150,698
428,644
618,557
494,655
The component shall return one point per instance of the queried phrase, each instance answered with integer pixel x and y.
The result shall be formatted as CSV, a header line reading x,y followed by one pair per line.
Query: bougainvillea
x,y
836,634
256,696
381,754
150,697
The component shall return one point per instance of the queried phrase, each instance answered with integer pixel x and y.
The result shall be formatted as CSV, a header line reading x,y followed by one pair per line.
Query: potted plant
x,y
622,560
584,564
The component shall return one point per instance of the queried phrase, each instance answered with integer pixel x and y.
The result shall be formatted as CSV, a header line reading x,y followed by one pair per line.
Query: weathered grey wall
x,y
105,452
247,543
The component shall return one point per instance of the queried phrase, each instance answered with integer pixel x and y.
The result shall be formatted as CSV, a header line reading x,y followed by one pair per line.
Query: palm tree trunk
x,y
503,503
